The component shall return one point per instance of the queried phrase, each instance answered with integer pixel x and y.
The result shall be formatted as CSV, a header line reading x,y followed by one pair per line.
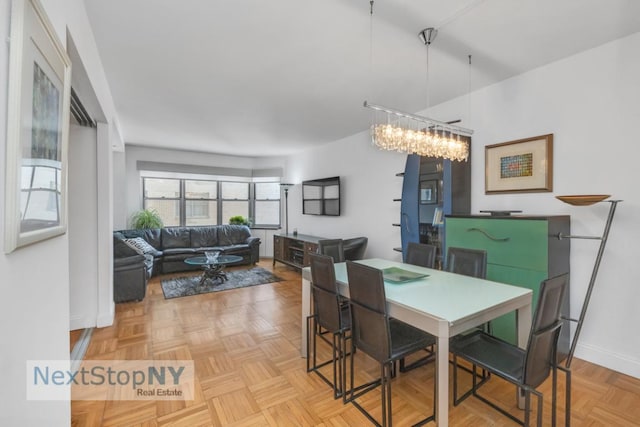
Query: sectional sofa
x,y
140,254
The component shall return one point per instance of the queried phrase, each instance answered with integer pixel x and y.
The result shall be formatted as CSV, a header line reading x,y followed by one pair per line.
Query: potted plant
x,y
146,218
238,220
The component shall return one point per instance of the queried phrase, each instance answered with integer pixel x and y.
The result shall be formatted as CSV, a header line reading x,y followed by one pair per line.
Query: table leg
x,y
442,379
306,311
213,272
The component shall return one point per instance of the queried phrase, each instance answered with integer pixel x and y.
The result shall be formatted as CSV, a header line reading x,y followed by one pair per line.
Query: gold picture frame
x,y
521,166
37,129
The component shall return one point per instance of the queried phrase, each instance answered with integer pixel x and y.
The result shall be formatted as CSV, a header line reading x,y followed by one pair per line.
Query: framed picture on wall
x,y
429,192
37,129
525,165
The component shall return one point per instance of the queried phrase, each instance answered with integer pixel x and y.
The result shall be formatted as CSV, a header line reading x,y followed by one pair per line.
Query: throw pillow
x,y
122,250
141,246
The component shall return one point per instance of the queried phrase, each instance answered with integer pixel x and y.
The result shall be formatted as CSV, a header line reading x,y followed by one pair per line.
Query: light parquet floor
x,y
245,346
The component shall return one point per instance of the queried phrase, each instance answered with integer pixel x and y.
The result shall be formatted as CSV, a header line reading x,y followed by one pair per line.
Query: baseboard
x,y
622,363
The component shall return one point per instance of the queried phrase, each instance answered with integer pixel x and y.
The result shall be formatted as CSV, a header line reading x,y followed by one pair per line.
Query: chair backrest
x,y
368,303
545,330
421,254
470,262
326,301
332,247
355,248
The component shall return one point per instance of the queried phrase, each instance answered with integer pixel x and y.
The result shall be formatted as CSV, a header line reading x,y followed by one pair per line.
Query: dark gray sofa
x,y
168,248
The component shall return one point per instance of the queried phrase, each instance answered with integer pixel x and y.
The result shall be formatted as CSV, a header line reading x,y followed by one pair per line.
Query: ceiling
x,y
268,78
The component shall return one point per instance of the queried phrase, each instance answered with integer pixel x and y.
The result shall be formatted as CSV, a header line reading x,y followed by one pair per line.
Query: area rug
x,y
190,285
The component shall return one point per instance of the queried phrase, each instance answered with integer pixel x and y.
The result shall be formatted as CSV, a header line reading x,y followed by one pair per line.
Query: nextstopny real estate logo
x,y
110,380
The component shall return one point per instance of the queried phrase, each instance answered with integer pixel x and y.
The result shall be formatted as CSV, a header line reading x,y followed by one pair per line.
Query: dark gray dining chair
x,y
330,317
384,339
355,248
470,262
421,254
526,368
332,247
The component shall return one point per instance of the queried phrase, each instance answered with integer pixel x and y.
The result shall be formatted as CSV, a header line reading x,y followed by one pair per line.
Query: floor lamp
x,y
286,188
586,201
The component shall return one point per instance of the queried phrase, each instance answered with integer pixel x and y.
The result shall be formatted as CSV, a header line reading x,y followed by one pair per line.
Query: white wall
x,y
34,308
367,184
83,229
590,103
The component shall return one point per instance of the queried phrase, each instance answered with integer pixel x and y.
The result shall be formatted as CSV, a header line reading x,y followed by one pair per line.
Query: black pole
x,y
585,304
286,210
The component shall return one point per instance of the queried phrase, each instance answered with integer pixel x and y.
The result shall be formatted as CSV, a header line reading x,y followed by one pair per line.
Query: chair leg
x,y
539,396
386,394
335,359
567,391
554,390
527,408
313,331
310,321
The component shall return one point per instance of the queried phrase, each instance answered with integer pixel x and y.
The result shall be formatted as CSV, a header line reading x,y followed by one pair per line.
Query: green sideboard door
x,y
522,251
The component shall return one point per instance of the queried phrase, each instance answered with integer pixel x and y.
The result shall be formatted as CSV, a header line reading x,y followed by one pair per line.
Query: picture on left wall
x,y
37,129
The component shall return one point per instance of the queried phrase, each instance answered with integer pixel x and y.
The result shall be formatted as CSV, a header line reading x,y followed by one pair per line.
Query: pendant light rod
x,y
447,126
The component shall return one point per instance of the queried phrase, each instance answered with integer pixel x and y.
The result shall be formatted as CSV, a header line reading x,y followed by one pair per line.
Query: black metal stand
x,y
587,298
286,188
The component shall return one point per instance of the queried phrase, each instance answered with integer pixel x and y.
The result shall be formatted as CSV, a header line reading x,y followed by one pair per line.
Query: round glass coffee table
x,y
213,268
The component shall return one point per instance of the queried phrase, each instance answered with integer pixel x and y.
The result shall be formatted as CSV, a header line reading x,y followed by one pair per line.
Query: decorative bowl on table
x,y
583,199
212,256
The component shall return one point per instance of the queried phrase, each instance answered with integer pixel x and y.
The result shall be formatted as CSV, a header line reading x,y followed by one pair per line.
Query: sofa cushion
x,y
176,237
122,250
233,234
204,236
150,235
234,249
179,251
141,246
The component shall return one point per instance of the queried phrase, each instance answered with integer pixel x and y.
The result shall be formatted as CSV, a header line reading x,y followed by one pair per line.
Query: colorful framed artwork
x,y
522,166
429,192
37,129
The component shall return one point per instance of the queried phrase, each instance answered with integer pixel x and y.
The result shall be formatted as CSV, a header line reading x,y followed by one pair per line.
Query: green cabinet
x,y
522,251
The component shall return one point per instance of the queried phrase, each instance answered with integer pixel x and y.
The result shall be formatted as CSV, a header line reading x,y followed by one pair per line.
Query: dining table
x,y
441,303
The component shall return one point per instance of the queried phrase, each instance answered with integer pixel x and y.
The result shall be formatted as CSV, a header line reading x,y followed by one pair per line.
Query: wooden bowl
x,y
583,199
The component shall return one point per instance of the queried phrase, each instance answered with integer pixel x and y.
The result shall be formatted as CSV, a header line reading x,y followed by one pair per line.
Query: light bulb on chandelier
x,y
395,130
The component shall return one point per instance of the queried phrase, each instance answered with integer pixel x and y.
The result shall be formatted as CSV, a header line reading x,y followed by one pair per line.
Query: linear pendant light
x,y
396,130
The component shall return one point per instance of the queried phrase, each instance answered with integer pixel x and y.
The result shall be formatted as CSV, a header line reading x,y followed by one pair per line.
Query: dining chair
x,y
330,317
355,248
470,262
332,247
421,254
384,339
526,368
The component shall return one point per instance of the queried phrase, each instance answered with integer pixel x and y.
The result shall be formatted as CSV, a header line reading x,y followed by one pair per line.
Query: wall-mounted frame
x,y
429,192
321,196
37,129
521,166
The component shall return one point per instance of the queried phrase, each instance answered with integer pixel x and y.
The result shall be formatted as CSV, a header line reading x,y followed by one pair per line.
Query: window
x,y
163,195
201,202
267,203
235,200
181,201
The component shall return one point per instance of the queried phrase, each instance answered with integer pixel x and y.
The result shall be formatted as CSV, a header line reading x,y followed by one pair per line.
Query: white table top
x,y
434,294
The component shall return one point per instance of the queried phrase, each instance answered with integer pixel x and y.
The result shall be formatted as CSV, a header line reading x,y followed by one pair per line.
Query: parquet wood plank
x,y
245,347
